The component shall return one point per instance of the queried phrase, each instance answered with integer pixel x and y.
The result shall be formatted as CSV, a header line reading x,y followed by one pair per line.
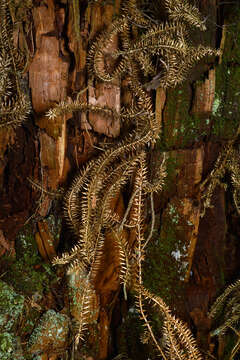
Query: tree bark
x,y
190,258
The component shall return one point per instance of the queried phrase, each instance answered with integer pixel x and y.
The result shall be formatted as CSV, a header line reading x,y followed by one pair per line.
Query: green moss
x,y
180,128
11,306
28,274
227,94
226,103
164,268
9,347
30,317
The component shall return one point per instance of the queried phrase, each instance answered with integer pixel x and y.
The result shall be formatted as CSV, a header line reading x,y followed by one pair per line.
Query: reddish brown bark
x,y
52,151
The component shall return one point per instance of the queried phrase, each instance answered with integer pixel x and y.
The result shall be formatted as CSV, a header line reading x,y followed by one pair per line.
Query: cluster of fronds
x,y
14,103
178,340
89,202
168,42
227,309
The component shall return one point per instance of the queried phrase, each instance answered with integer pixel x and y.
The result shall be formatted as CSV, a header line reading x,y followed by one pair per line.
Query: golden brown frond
x,y
179,342
219,303
228,160
168,41
124,260
36,185
14,102
131,11
182,10
70,106
83,298
226,314
88,207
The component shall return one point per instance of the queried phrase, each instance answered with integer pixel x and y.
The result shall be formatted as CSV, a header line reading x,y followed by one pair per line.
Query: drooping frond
x,y
182,10
158,184
168,41
225,312
54,194
14,102
179,342
132,13
234,169
83,298
227,161
219,303
124,260
208,186
69,106
99,48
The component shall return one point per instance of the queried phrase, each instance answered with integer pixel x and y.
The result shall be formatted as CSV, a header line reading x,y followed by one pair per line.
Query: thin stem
x,y
128,209
153,222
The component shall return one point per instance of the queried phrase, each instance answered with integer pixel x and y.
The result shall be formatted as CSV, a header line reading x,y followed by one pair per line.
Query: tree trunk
x,y
193,253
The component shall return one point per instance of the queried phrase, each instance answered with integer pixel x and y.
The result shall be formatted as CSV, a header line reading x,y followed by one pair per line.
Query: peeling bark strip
x,y
48,79
48,72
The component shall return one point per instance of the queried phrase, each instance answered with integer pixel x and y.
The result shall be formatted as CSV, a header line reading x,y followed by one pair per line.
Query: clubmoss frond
x,y
97,263
71,204
208,186
70,106
84,297
98,49
179,342
66,257
181,10
124,260
133,14
158,184
226,310
219,303
227,325
234,169
121,180
54,194
14,103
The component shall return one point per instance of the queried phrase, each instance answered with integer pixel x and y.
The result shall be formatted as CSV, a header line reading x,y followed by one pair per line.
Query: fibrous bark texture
x,y
119,164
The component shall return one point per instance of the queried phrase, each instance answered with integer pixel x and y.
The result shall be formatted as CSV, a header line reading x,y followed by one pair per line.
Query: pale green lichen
x,y
216,104
173,214
51,332
11,306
